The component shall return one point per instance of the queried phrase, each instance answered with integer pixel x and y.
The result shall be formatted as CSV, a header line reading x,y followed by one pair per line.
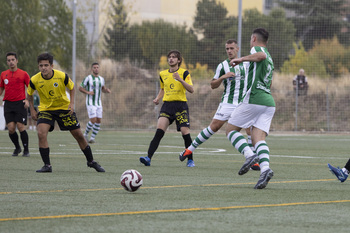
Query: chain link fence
x,y
134,80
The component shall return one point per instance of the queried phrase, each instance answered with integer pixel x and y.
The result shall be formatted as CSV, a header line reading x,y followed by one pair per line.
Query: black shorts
x,y
15,112
64,120
176,111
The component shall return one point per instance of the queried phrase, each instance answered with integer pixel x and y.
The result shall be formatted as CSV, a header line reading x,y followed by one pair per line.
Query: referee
x,y
13,82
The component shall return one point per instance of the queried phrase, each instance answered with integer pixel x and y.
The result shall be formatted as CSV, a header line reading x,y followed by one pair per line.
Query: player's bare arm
x,y
71,104
33,113
187,86
159,97
215,83
26,103
256,57
83,90
106,90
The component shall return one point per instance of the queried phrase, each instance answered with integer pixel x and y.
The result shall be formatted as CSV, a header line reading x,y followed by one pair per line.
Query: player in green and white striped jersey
x,y
93,86
256,110
232,79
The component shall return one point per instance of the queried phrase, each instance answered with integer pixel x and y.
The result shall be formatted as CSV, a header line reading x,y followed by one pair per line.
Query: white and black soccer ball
x,y
131,180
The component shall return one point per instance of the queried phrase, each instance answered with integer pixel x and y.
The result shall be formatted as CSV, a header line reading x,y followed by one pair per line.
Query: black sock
x,y
88,153
347,165
188,142
14,139
155,142
25,139
45,155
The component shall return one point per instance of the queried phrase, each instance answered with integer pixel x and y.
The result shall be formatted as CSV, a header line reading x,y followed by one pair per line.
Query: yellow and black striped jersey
x,y
52,92
173,89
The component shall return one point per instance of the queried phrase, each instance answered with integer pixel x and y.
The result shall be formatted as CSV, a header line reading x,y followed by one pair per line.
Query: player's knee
x,y
21,127
11,128
185,130
215,126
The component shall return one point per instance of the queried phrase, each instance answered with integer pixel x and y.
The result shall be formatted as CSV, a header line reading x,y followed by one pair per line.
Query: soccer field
x,y
303,196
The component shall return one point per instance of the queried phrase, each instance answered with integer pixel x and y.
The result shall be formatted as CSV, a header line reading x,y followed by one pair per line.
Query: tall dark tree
x,y
116,36
19,29
57,19
151,40
281,31
35,26
321,19
213,27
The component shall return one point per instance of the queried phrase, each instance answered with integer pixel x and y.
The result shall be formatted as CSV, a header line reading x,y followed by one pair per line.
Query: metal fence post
x,y
327,109
296,107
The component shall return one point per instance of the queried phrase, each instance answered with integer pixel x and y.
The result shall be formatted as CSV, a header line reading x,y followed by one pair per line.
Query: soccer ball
x,y
131,180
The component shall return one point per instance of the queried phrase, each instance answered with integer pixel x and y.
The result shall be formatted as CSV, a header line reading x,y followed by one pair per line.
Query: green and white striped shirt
x,y
95,84
234,86
259,80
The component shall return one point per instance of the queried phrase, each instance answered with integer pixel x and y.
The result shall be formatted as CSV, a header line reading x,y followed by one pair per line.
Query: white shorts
x,y
94,111
224,111
247,115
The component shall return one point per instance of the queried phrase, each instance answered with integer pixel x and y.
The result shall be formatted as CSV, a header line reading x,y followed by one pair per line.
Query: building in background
x,y
180,11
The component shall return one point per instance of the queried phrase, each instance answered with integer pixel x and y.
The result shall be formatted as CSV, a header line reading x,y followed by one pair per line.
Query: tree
x,y
213,24
116,36
214,27
150,40
19,33
57,20
35,26
316,20
281,33
334,59
311,63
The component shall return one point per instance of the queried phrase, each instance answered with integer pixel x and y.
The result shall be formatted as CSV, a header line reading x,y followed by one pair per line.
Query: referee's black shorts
x,y
176,111
14,111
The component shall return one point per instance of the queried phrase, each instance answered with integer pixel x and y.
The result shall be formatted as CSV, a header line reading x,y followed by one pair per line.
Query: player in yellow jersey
x,y
55,106
174,83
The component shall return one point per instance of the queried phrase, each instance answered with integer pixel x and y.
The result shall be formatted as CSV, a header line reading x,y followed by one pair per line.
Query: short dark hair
x,y
45,56
177,54
230,41
11,54
262,34
95,63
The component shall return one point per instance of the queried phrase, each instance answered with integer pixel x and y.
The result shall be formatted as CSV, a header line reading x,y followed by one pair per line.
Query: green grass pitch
x,y
303,196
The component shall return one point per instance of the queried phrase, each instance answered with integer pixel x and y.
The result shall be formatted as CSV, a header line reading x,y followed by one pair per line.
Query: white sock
x,y
264,155
201,137
240,143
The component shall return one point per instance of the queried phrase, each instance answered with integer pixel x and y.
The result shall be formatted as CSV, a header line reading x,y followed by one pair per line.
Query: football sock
x,y
14,139
95,130
250,144
88,153
240,143
347,166
89,126
155,142
188,141
25,139
264,155
45,155
201,137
